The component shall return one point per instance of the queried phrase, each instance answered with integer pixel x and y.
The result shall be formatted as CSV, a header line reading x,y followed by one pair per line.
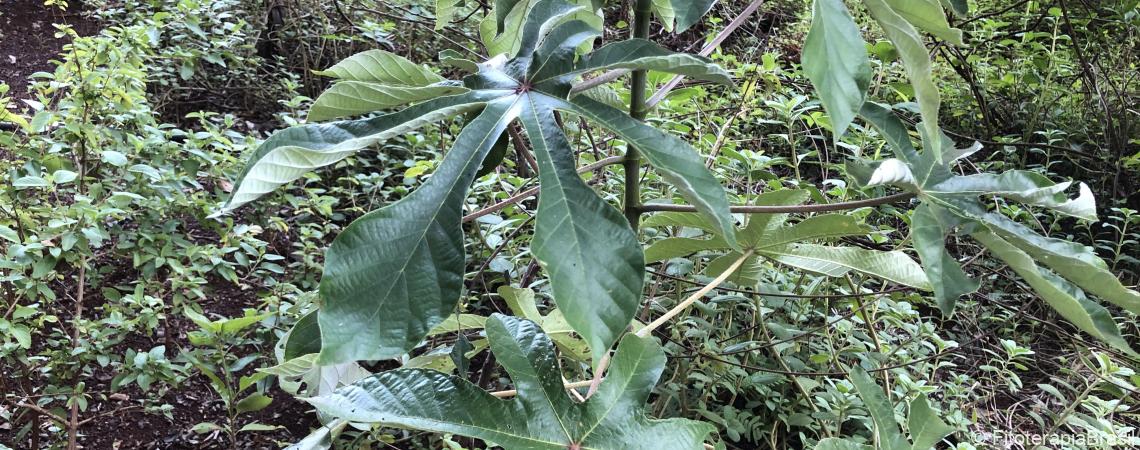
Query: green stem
x,y
632,161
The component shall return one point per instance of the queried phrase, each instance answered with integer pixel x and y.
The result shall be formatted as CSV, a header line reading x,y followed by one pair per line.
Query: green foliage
x,y
542,416
106,255
835,59
926,428
951,201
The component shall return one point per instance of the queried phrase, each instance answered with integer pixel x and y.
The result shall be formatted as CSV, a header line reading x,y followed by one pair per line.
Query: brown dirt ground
x,y
27,39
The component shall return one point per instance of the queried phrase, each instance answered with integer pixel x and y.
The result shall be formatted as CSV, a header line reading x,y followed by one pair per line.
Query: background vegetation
x,y
131,320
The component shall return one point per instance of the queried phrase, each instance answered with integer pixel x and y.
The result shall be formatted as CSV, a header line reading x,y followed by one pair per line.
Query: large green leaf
x,y
917,62
293,152
676,161
542,416
599,304
835,261
950,203
379,66
663,9
926,428
929,227
670,248
882,412
353,98
680,219
555,55
397,272
813,228
689,12
1077,263
1065,298
835,60
304,338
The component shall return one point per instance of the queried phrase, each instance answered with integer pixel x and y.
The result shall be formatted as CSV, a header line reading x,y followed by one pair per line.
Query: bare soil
x,y
27,39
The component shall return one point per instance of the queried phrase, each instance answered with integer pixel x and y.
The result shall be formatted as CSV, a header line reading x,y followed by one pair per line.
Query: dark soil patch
x,y
27,39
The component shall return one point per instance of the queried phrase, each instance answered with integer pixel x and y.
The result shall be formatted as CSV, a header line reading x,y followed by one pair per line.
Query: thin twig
x,y
42,411
706,51
695,296
766,209
512,392
534,190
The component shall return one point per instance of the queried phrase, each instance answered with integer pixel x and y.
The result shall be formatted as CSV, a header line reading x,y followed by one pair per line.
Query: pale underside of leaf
x,y
1076,262
353,98
379,66
836,261
293,152
1025,187
1065,298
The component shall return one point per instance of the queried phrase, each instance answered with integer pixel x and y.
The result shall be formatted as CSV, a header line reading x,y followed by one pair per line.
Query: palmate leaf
x,y
950,203
769,236
395,273
1065,298
293,152
894,266
542,416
